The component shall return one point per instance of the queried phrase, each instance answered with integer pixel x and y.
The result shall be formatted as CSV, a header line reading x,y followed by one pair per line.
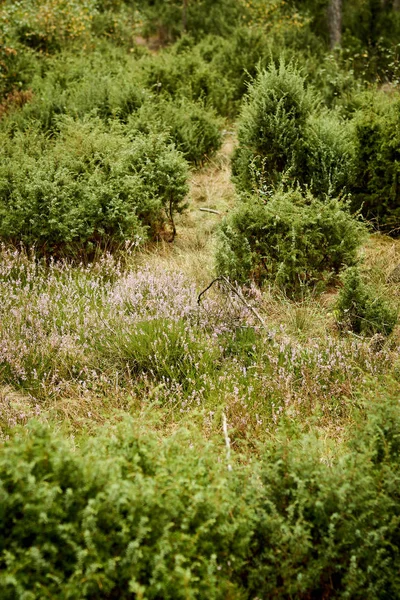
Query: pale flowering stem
x,y
227,441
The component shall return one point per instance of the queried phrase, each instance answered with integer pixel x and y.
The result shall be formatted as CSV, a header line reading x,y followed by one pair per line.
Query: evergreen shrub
x,y
90,186
326,527
170,19
194,129
293,240
182,72
361,309
284,136
376,191
127,514
125,517
76,85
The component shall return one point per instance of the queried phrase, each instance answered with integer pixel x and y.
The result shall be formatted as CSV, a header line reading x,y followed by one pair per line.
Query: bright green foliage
x,y
327,528
270,128
123,517
330,154
78,85
183,72
376,191
282,137
194,129
127,515
90,186
292,240
361,309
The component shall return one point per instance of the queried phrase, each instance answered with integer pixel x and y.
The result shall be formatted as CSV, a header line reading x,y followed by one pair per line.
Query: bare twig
x,y
210,210
226,281
227,441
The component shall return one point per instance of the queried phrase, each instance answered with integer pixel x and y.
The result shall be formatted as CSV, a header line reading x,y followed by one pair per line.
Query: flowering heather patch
x,y
101,330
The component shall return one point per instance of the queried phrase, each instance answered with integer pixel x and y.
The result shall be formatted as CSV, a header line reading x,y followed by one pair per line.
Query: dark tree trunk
x,y
184,15
335,22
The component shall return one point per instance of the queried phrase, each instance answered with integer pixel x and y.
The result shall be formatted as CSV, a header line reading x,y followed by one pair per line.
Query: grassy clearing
x,y
79,342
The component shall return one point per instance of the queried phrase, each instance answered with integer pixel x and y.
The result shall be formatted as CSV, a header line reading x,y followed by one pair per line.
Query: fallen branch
x,y
210,210
226,281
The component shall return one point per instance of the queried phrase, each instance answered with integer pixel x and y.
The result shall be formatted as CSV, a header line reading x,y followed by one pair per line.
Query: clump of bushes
x,y
91,186
291,239
376,191
126,517
283,137
126,514
195,130
360,309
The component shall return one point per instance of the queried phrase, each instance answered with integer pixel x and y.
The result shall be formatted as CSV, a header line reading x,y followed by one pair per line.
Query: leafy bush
x,y
271,126
326,527
376,191
330,155
170,18
360,308
194,129
47,26
125,517
292,240
183,73
282,137
126,514
77,85
91,186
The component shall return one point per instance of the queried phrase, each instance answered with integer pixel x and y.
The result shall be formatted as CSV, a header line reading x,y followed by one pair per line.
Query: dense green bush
x,y
292,240
182,72
361,309
77,85
377,183
170,18
326,526
282,137
90,186
270,128
194,129
127,515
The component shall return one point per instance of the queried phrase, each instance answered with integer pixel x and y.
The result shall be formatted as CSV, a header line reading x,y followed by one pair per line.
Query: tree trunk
x,y
335,22
396,5
184,15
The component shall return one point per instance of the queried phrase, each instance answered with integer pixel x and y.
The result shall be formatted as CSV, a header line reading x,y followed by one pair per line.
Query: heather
x,y
199,299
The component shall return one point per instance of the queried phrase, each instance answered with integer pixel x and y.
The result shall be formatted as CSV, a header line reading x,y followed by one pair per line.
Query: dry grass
x,y
193,249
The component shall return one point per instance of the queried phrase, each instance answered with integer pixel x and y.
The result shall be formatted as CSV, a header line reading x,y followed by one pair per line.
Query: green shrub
x,y
330,154
292,240
193,129
361,309
376,191
77,85
170,18
47,27
270,128
282,137
129,515
182,72
90,186
237,59
124,517
326,527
